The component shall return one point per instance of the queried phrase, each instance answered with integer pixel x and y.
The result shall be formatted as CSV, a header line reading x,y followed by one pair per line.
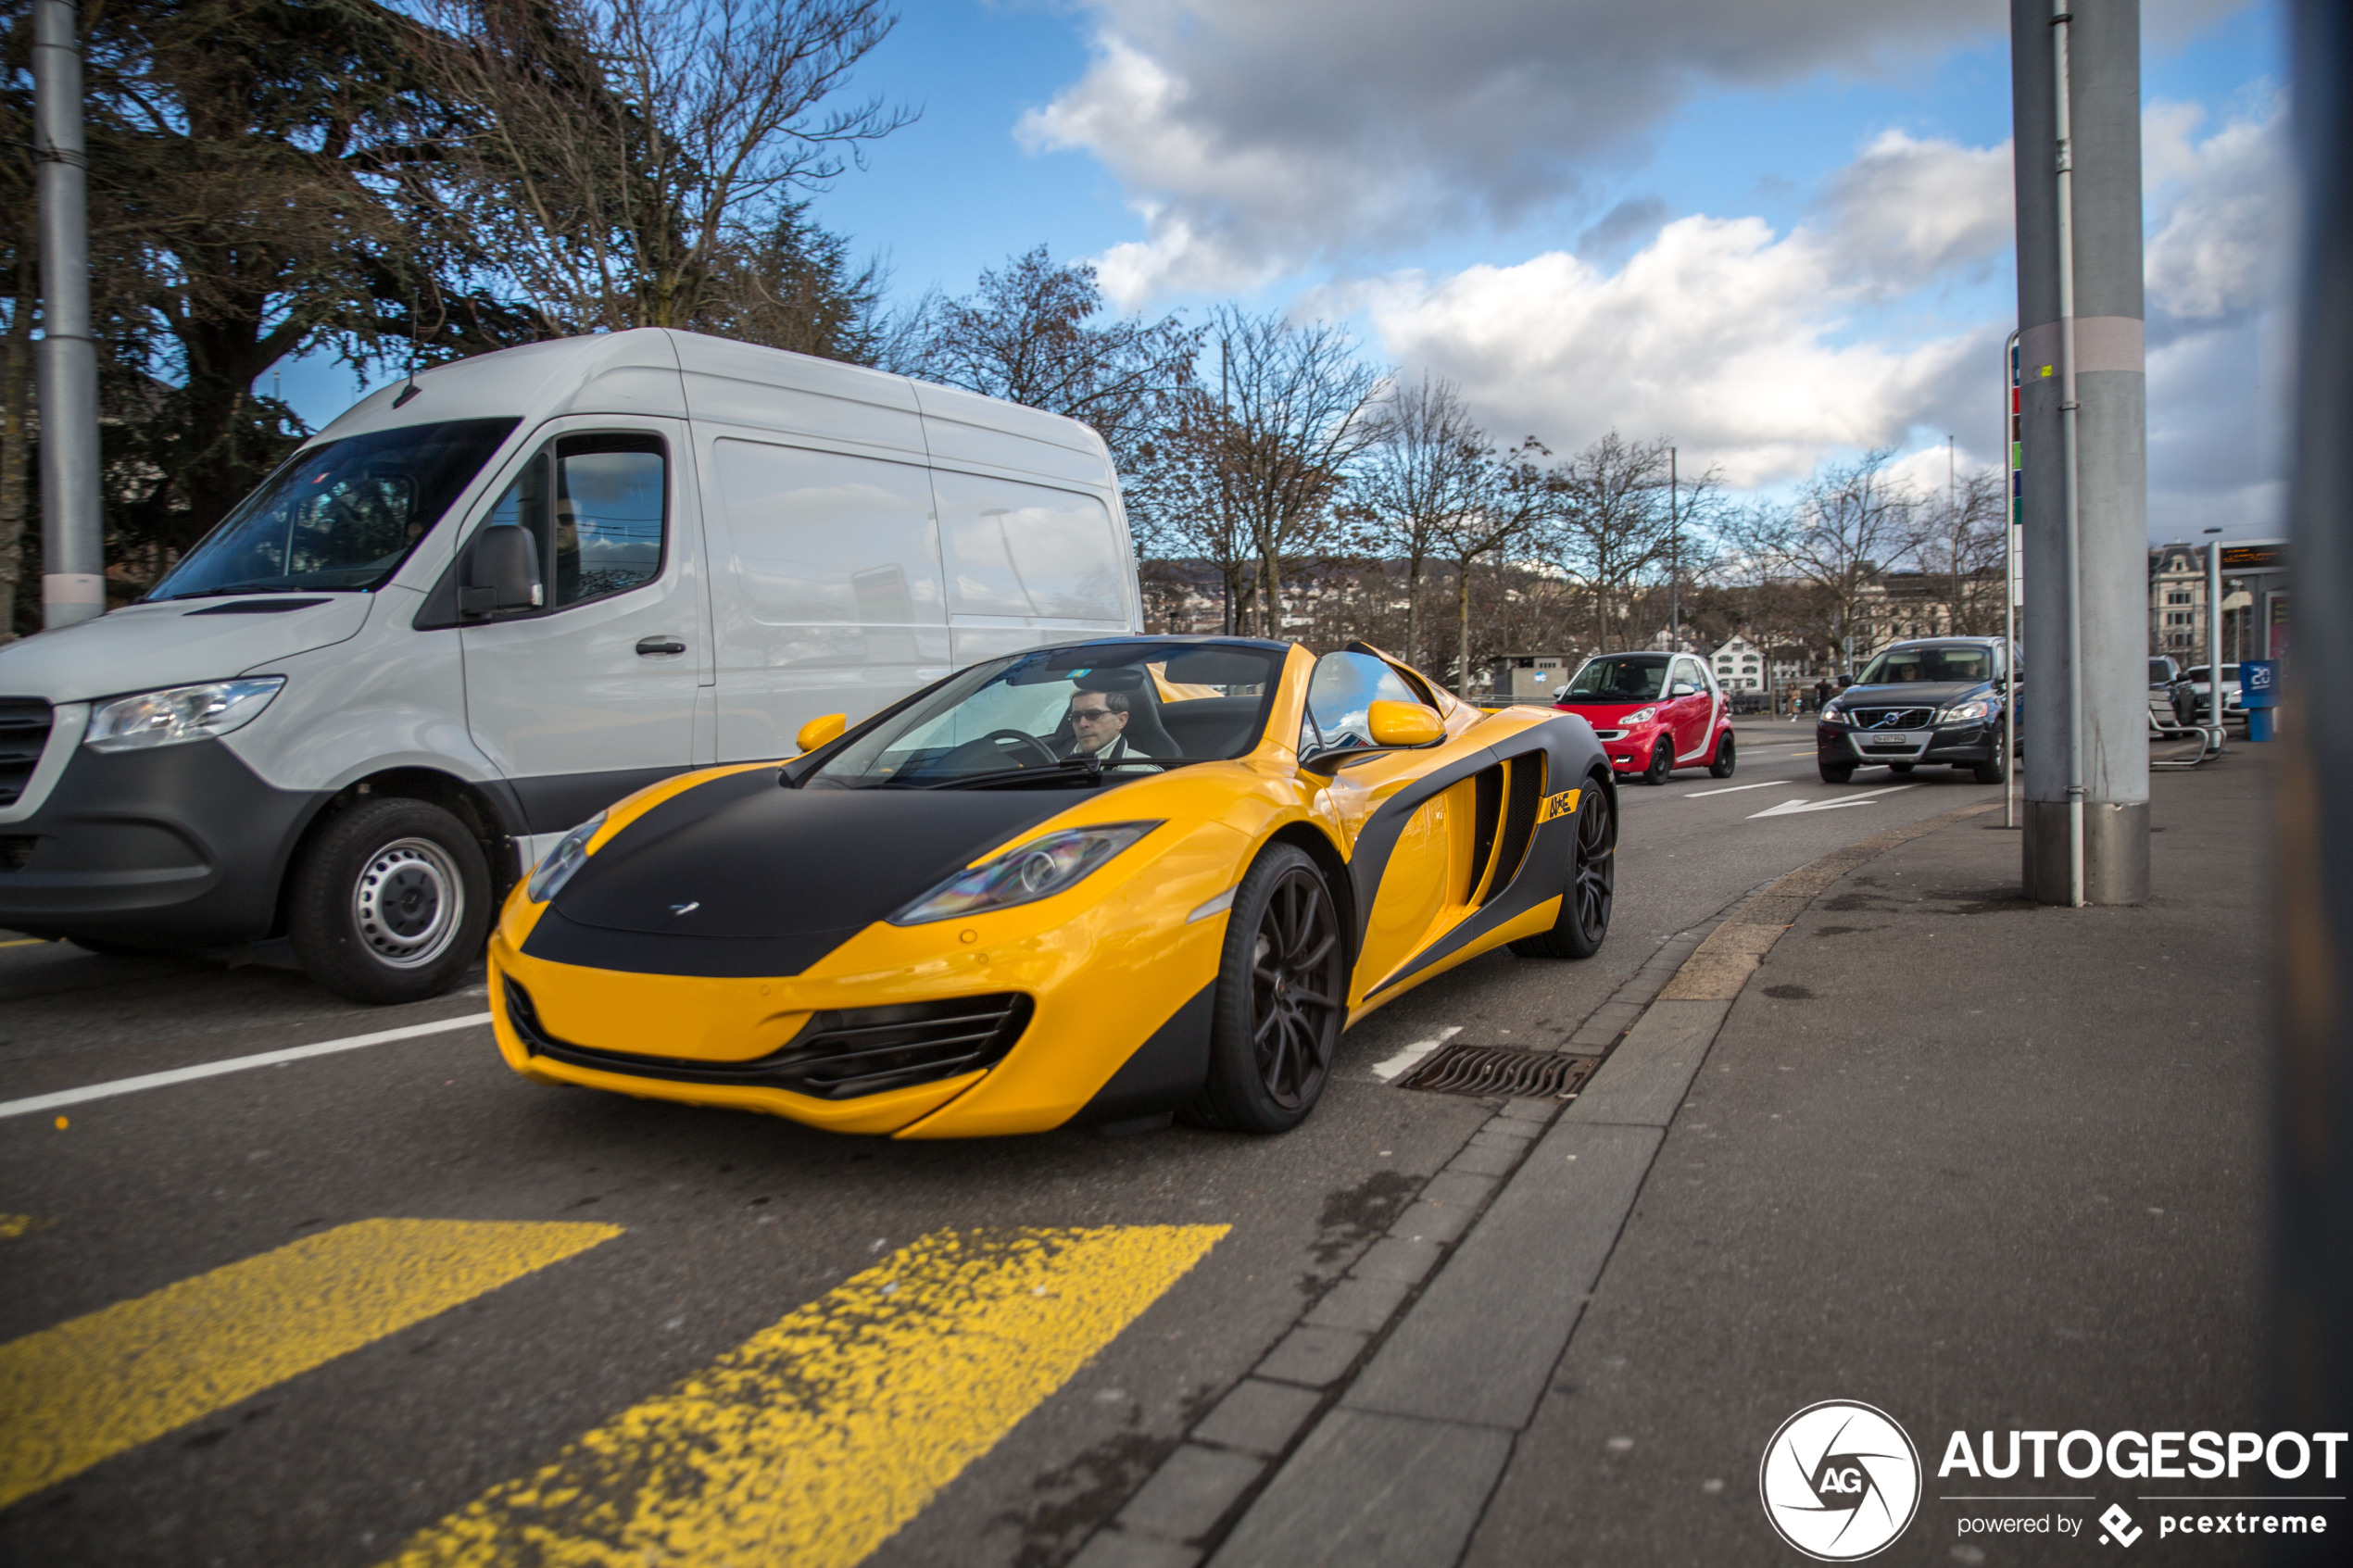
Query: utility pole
x,y
1674,563
73,567
2076,105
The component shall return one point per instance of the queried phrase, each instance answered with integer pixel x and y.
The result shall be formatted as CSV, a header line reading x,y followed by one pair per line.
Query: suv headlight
x,y
556,867
1639,716
1833,713
1965,712
1039,869
179,713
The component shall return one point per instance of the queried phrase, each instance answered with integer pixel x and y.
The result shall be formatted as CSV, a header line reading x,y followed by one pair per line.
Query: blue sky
x,y
1751,224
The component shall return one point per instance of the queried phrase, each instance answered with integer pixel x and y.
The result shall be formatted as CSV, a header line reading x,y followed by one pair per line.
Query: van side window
x,y
612,506
1341,692
603,530
1027,549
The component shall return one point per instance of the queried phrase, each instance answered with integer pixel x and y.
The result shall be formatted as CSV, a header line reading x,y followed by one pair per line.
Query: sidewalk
x,y
1979,1163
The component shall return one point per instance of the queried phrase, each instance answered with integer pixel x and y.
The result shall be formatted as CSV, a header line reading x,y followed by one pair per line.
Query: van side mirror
x,y
817,732
502,572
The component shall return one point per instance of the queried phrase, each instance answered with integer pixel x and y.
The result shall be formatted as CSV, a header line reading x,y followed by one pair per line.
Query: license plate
x,y
1892,742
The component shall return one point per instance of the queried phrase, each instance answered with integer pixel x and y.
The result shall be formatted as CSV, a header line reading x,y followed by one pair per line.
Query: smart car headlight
x,y
1639,716
1965,712
556,867
179,713
1039,869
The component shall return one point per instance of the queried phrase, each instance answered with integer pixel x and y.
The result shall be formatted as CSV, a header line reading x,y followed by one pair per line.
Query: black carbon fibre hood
x,y
743,877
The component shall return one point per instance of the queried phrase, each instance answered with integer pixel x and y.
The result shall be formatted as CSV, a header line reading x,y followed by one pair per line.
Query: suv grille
x,y
24,731
1890,718
838,1055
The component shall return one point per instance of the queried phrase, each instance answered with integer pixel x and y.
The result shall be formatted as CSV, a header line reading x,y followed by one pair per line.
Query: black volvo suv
x,y
1937,700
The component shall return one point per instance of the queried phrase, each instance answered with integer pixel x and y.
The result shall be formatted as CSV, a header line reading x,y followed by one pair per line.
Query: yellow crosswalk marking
x,y
812,1442
87,1389
15,1225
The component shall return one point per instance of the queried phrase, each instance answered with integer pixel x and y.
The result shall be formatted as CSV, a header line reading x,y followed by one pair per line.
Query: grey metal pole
x,y
73,583
2076,105
1674,563
2009,584
2214,639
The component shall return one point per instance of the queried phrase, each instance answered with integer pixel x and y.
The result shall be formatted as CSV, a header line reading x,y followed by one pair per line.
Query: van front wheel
x,y
390,902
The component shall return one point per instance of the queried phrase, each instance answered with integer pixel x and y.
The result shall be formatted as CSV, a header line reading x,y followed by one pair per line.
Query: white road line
x,y
234,1064
1795,808
1402,1062
1735,789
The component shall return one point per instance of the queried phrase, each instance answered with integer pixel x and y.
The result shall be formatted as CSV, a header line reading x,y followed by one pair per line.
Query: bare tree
x,y
1428,465
1181,503
1513,497
1612,524
1030,334
626,146
1958,542
1851,522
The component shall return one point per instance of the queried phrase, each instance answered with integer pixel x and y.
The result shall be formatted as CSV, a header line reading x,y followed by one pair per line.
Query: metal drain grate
x,y
1491,1070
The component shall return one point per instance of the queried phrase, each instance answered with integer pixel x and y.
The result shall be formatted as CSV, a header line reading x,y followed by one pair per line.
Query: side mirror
x,y
502,572
1403,723
1682,688
817,732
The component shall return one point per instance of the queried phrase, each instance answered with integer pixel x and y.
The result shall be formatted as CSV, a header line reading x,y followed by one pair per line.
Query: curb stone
x,y
1377,1426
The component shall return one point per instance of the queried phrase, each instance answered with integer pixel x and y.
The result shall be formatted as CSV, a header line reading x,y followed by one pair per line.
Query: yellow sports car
x,y
1094,882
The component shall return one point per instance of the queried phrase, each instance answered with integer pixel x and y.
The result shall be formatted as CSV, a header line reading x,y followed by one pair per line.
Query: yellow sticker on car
x,y
1561,805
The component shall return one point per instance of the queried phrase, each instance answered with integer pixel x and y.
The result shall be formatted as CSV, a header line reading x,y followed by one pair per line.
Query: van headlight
x,y
1039,869
557,866
178,713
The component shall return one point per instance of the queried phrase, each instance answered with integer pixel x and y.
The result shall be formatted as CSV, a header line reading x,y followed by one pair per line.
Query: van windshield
x,y
339,516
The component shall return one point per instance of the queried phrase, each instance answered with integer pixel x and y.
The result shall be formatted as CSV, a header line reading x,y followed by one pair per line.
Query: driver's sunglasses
x,y
1088,715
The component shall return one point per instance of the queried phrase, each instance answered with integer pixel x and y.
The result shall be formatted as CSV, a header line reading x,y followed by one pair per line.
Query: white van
x,y
486,603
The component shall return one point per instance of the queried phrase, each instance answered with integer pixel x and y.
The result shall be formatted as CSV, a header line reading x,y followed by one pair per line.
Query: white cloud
x,y
1254,138
2227,204
1729,338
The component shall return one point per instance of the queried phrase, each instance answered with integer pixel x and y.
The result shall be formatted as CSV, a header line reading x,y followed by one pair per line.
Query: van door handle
x,y
651,646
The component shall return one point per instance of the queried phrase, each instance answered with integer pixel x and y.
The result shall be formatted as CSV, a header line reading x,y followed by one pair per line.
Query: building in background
x,y
1740,666
2254,600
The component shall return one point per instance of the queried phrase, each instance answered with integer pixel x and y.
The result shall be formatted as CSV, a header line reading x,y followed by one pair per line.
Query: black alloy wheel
x,y
1282,998
1725,759
1593,884
1837,773
1996,769
1662,763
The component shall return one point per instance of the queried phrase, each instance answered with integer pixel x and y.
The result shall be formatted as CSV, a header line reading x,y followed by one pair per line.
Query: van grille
x,y
837,1055
24,731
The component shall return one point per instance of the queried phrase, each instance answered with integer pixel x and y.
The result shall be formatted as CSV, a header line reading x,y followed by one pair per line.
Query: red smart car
x,y
1653,712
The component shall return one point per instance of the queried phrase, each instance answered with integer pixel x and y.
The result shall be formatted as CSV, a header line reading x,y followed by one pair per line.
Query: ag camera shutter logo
x,y
1841,1481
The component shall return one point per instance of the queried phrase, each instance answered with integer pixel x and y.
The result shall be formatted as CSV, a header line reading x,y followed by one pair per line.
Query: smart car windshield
x,y
340,516
1075,714
1902,666
1627,677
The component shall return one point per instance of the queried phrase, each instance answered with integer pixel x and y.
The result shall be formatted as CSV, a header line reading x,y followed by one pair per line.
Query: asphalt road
x,y
317,1387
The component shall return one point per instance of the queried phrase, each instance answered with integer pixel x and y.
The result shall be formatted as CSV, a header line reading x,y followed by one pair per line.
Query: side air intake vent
x,y
1523,795
838,1055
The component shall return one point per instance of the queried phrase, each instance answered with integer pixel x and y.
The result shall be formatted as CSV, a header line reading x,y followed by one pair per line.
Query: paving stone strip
x,y
1374,1431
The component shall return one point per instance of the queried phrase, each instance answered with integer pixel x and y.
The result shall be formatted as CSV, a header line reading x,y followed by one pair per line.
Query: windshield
x,y
1902,667
1134,707
1631,677
342,515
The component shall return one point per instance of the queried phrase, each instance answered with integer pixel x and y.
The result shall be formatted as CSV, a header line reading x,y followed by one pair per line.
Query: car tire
x,y
1726,759
1662,764
1593,885
1837,773
1281,1000
1899,767
1989,772
389,903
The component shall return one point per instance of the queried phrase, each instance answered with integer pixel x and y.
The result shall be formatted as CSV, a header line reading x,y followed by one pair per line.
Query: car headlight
x,y
1639,716
178,713
556,867
1964,712
1833,713
1039,869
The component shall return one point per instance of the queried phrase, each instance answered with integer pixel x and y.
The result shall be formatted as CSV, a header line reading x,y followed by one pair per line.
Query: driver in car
x,y
1099,724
